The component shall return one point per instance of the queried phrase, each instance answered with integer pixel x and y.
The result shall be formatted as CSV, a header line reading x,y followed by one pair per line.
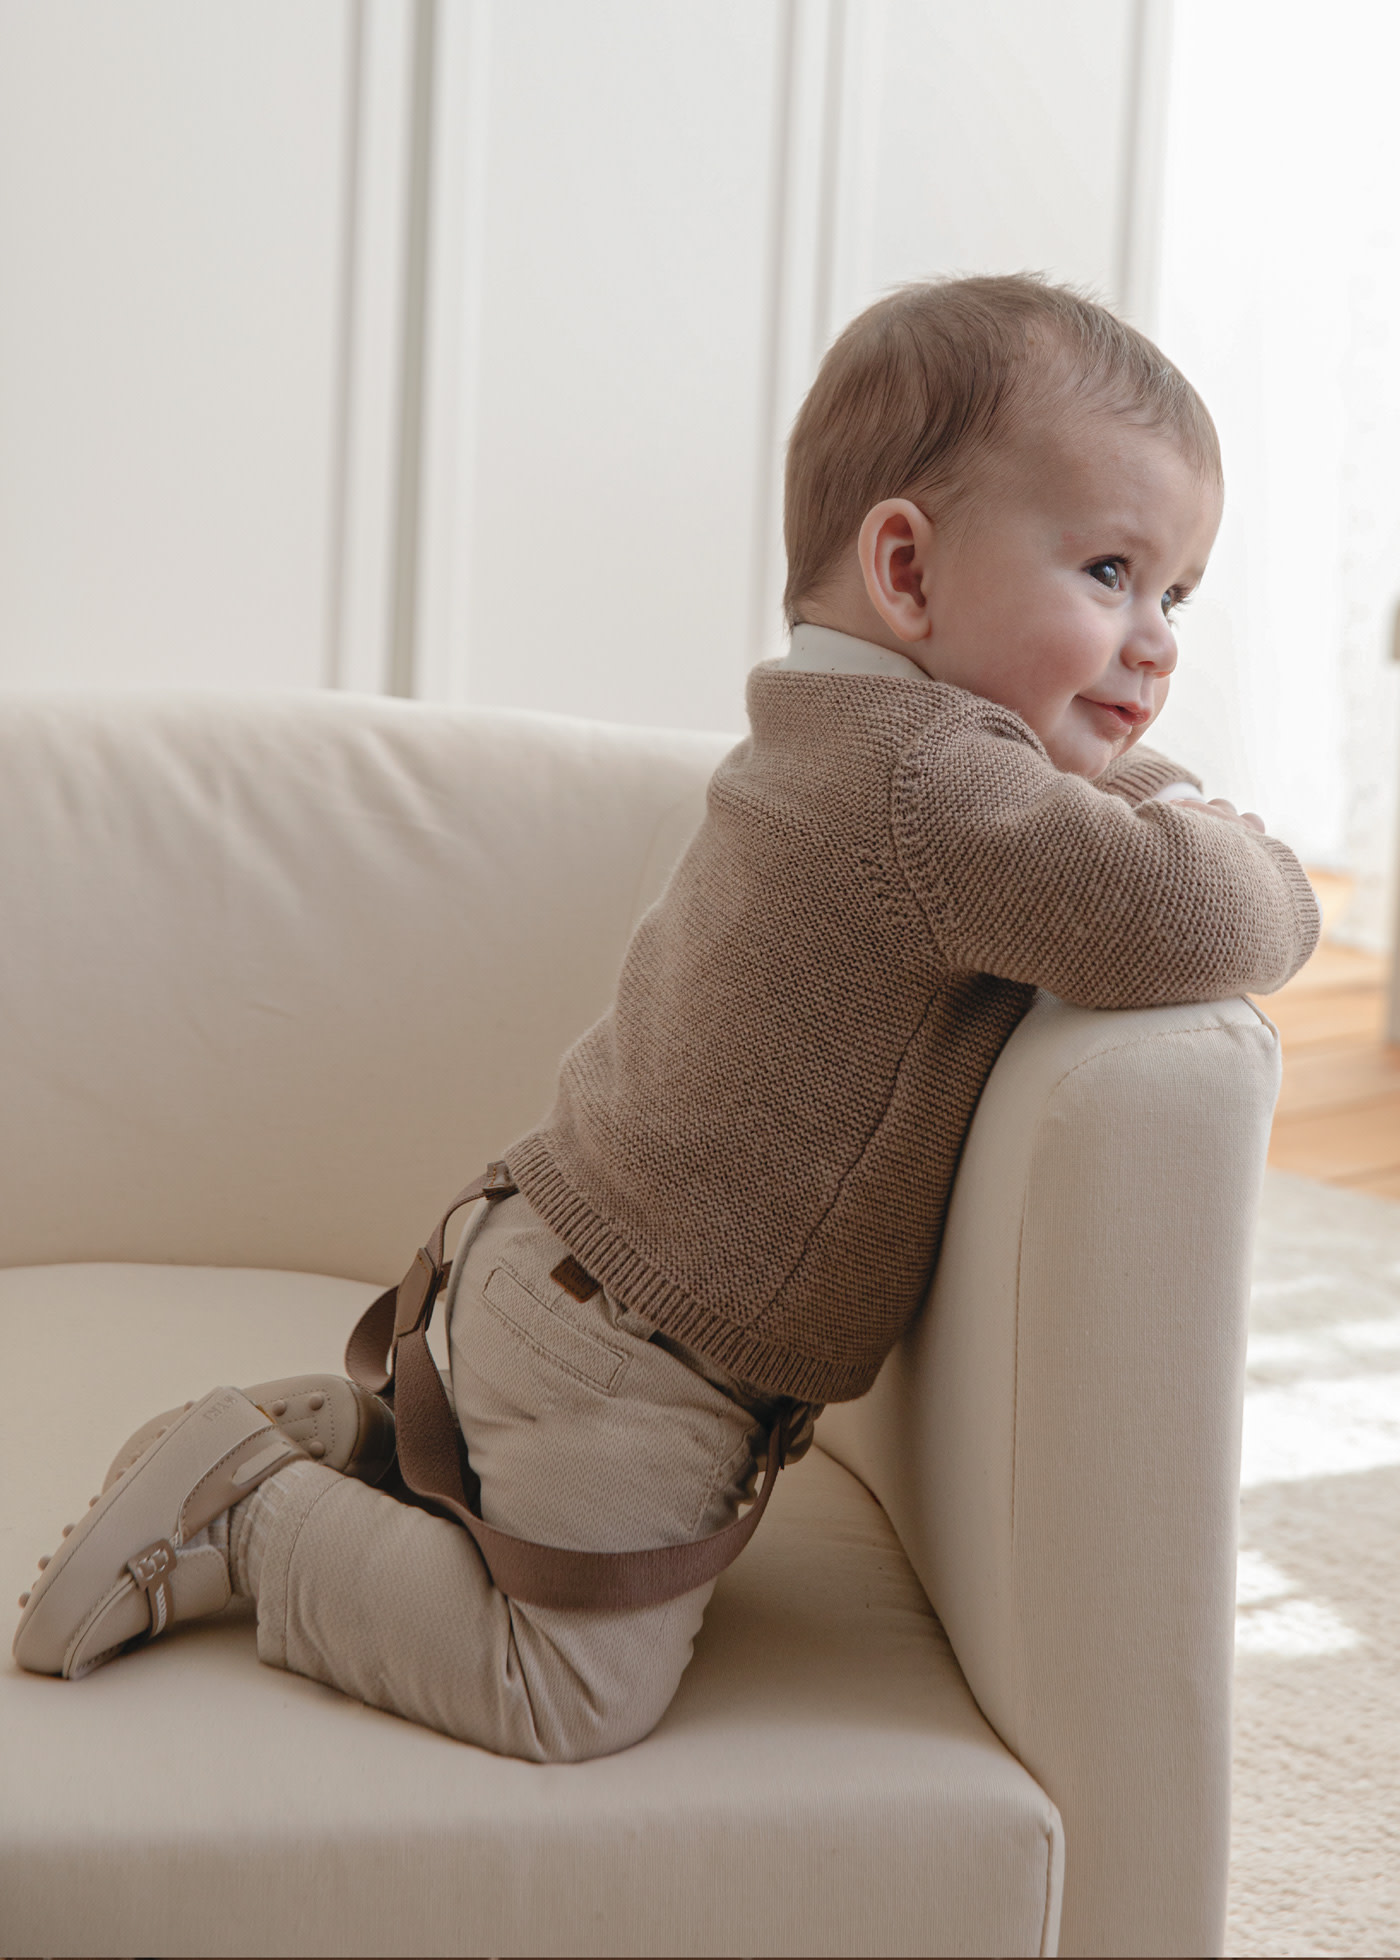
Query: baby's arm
x,y
1144,775
1106,899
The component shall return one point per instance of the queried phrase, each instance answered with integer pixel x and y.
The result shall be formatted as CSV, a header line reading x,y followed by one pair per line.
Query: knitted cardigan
x,y
754,1147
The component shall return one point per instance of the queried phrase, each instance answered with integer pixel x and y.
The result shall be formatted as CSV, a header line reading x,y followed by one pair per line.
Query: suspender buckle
x,y
499,1183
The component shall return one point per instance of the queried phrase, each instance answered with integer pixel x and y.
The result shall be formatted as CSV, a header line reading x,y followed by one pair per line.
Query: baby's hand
x,y
1226,812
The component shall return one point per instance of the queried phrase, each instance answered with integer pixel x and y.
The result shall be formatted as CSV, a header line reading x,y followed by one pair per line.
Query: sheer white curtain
x,y
1280,296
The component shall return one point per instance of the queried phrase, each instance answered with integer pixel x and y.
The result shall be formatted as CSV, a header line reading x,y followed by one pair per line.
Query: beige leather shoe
x,y
128,1570
336,1422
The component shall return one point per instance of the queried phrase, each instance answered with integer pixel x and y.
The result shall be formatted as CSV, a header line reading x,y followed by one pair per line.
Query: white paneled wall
x,y
1281,298
171,179
610,274
449,346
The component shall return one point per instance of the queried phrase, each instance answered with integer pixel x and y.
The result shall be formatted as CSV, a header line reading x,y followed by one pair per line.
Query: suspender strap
x,y
390,1342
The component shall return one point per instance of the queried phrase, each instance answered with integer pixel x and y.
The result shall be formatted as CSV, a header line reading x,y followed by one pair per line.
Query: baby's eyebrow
x,y
1124,538
1128,533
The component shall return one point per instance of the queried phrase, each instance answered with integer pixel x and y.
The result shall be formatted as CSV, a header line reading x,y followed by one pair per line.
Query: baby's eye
x,y
1108,571
1173,601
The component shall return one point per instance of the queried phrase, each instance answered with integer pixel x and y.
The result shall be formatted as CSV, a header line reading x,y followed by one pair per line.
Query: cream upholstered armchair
x,y
276,975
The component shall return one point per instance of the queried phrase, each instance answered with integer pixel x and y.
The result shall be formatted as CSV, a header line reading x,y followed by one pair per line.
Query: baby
x,y
998,495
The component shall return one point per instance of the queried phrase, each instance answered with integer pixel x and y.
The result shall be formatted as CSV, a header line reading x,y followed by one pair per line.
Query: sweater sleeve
x,y
1141,773
1033,875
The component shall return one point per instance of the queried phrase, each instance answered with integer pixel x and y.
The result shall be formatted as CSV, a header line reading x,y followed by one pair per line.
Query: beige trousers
x,y
585,1431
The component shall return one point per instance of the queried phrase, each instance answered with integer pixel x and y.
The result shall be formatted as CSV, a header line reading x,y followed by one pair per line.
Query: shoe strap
x,y
238,1472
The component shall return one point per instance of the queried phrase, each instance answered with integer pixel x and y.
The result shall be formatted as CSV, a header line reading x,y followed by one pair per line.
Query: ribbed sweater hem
x,y
1304,901
636,1283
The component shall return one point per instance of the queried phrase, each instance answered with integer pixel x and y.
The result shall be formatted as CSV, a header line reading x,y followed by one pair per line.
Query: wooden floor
x,y
1339,1111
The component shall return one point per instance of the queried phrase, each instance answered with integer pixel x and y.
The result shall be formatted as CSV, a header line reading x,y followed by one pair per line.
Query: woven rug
x,y
1315,1864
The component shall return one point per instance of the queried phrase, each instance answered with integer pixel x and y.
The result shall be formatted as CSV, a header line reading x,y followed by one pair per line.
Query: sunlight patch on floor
x,y
1269,1620
1320,1428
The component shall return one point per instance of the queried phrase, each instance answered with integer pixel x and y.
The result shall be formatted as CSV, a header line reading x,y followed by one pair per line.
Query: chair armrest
x,y
1057,1439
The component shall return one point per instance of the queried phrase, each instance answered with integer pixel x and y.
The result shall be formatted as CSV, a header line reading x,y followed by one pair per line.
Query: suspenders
x,y
388,1350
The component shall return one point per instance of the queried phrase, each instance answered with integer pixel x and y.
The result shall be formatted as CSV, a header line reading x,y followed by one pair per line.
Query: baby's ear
x,y
895,549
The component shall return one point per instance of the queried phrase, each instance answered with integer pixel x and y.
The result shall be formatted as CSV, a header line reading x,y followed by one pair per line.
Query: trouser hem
x,y
303,1492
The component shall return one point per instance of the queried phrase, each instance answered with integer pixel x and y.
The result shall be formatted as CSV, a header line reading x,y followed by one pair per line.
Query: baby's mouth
x,y
1126,715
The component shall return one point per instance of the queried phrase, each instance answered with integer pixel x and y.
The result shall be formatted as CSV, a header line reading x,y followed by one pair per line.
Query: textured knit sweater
x,y
755,1146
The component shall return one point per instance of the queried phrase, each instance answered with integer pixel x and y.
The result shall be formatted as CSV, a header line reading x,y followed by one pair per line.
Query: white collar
x,y
822,650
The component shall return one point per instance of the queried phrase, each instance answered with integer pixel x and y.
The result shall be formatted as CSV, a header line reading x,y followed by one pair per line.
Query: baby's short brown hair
x,y
922,389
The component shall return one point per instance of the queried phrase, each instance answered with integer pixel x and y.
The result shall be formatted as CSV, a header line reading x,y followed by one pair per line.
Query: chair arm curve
x,y
1057,1439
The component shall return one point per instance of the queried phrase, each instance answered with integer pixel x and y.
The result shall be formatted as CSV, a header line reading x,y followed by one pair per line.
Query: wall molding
x,y
368,440
821,190
453,350
1143,170
415,300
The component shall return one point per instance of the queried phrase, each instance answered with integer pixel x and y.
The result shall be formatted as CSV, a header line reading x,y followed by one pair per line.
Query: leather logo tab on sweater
x,y
571,1276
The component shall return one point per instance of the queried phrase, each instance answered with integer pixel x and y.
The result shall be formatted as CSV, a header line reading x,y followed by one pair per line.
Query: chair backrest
x,y
279,973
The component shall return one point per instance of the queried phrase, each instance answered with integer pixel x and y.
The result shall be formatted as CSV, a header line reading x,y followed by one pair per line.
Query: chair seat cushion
x,y
823,1783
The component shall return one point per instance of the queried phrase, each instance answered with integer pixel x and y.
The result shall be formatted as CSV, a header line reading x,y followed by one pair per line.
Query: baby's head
x,y
1002,481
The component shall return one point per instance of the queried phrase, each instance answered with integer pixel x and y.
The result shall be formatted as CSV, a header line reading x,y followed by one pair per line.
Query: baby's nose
x,y
1151,643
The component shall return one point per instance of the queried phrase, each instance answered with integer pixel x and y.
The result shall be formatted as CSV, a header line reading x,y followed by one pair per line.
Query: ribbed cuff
x,y
1306,909
1140,774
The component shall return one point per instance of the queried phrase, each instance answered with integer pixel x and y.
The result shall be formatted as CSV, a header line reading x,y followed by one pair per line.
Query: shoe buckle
x,y
152,1570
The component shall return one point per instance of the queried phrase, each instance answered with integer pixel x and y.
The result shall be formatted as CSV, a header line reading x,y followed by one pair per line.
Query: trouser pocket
x,y
583,1431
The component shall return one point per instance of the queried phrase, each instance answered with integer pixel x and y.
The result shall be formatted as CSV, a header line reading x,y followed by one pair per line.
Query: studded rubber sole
x,y
137,1562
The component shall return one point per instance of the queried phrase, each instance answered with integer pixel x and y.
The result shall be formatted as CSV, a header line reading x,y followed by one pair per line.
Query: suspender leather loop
x,y
394,1330
370,1349
417,1294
